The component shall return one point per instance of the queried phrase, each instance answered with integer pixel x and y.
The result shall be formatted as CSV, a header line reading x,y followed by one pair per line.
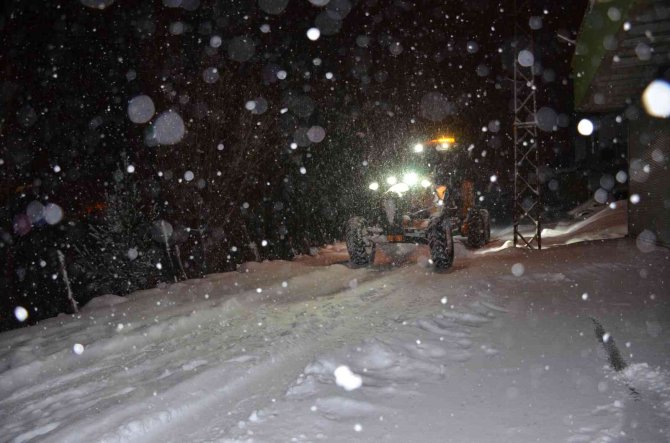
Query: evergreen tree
x,y
119,256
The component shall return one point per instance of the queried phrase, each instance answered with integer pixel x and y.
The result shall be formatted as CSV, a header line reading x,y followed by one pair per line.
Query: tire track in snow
x,y
225,408
178,400
117,354
371,301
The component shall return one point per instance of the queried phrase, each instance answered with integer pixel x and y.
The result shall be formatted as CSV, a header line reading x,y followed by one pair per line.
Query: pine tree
x,y
119,256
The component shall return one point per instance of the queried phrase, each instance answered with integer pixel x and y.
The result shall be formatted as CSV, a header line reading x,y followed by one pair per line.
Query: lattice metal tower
x,y
527,189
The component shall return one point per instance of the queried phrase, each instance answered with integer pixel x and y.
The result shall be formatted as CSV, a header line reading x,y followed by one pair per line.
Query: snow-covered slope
x,y
500,348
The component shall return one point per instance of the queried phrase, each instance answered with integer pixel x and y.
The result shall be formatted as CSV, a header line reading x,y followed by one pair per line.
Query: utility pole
x,y
527,188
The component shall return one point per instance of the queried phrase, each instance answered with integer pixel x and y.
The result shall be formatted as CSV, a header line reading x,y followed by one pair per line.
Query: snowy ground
x,y
500,348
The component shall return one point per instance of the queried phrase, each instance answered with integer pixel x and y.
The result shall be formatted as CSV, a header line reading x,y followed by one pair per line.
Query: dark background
x,y
67,72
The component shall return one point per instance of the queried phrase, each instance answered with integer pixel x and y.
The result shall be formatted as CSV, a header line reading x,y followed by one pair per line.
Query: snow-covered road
x,y
500,348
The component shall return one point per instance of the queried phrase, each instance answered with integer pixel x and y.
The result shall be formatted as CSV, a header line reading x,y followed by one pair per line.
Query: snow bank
x,y
593,221
606,223
104,301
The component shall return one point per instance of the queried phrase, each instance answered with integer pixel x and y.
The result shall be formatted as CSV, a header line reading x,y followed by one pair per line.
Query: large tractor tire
x,y
441,243
487,224
360,247
476,229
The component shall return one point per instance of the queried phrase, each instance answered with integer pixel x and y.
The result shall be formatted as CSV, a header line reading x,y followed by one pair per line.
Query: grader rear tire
x,y
441,243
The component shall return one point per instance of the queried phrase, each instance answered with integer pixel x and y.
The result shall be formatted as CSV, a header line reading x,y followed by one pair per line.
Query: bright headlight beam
x,y
399,188
410,178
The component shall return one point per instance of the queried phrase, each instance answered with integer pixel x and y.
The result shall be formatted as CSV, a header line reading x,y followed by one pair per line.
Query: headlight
x,y
391,180
410,178
374,186
418,147
425,183
399,188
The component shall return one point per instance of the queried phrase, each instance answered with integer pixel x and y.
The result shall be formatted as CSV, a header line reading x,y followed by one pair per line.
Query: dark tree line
x,y
231,190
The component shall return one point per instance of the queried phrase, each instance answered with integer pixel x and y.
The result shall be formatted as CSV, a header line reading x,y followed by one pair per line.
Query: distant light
x,y
294,145
626,26
329,75
78,348
130,169
264,243
635,199
313,34
374,186
494,178
281,75
399,188
656,99
391,180
56,168
418,147
303,171
585,127
425,183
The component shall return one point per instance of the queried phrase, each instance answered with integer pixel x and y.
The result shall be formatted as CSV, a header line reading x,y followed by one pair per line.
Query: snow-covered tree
x,y
119,256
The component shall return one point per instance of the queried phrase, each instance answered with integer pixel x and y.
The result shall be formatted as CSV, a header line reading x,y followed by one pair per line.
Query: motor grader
x,y
422,203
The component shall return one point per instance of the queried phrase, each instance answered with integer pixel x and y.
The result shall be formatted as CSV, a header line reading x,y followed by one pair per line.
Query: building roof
x,y
622,45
